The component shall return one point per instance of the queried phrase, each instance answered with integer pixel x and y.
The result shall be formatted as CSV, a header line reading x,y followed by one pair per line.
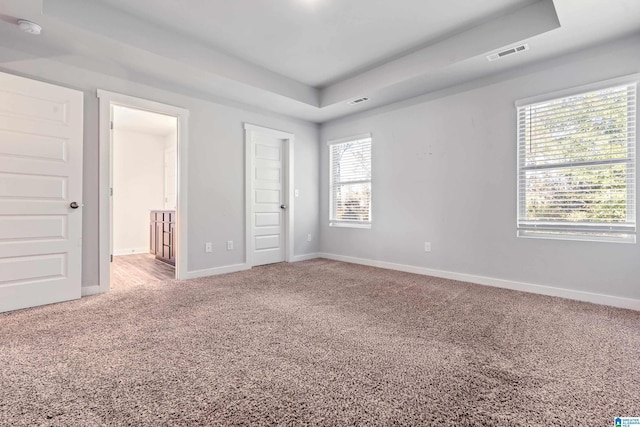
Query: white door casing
x,y
107,100
269,205
41,137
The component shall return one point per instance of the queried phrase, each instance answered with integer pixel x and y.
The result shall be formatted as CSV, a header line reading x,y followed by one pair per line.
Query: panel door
x,y
268,199
170,179
40,177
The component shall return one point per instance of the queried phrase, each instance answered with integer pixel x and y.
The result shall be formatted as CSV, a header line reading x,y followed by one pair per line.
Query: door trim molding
x,y
288,143
106,100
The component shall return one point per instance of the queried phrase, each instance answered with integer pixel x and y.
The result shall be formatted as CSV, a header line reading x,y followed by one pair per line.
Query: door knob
x,y
283,206
74,205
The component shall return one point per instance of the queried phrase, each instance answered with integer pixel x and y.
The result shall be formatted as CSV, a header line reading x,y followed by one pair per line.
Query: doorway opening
x,y
143,200
143,197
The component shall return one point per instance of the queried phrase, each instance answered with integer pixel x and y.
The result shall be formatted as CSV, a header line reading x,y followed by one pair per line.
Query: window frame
x,y
598,232
333,222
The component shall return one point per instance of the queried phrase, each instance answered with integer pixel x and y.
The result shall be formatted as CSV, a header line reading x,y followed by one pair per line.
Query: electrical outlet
x,y
427,246
308,237
208,247
229,245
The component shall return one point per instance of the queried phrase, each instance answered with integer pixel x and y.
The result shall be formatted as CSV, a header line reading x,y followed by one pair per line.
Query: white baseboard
x,y
305,257
238,267
612,301
92,290
130,251
216,271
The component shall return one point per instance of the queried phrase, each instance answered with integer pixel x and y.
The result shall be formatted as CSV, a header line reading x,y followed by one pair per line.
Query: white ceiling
x,y
304,58
141,121
317,42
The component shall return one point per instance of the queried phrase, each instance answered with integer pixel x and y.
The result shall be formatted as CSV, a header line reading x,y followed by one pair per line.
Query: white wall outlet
x,y
229,245
296,192
427,246
308,237
208,247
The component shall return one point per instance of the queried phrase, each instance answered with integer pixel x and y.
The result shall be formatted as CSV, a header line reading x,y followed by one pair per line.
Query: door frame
x,y
287,143
107,100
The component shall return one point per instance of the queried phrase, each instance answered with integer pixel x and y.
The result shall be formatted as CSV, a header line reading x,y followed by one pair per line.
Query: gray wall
x,y
444,171
216,164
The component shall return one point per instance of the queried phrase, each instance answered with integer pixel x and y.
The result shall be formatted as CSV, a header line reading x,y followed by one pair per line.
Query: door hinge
x,y
111,124
111,191
111,258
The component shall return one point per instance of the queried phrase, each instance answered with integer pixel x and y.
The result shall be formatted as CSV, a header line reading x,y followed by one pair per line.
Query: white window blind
x,y
350,198
577,166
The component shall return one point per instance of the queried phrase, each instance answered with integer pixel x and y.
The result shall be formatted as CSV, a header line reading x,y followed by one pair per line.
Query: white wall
x,y
138,187
216,161
444,171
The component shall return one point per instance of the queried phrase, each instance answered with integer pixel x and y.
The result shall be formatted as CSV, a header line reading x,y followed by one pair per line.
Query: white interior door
x,y
268,198
170,181
40,177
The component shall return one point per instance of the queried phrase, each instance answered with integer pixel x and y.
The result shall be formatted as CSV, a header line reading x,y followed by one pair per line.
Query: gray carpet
x,y
319,343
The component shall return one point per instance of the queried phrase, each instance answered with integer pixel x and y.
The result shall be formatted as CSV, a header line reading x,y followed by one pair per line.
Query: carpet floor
x,y
319,343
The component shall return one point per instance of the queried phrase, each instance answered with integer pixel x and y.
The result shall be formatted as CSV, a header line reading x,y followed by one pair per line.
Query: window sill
x,y
347,225
578,236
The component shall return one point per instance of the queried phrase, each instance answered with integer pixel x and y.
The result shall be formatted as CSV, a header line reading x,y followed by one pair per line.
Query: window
x,y
350,198
576,166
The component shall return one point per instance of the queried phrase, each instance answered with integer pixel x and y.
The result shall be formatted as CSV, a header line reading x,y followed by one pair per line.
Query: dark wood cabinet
x,y
162,236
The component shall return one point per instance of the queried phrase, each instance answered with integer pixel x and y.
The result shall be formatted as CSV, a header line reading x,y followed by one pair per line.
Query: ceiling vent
x,y
507,52
358,101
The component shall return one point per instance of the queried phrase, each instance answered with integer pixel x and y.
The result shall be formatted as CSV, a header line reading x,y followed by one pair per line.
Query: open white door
x,y
40,193
170,178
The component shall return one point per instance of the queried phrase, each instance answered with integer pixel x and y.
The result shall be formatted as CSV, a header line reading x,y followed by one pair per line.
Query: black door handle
x,y
74,205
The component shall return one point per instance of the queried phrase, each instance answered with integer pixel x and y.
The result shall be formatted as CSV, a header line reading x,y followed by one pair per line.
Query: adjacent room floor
x,y
133,270
319,343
